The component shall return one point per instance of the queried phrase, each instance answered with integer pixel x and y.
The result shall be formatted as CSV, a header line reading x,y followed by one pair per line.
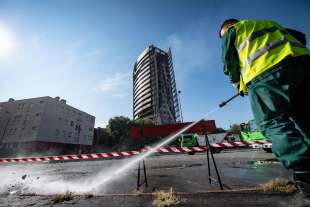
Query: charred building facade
x,y
155,95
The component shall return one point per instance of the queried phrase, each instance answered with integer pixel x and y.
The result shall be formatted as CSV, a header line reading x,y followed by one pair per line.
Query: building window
x,y
37,114
70,134
17,118
66,122
72,123
64,133
41,102
34,128
30,106
21,106
26,119
57,132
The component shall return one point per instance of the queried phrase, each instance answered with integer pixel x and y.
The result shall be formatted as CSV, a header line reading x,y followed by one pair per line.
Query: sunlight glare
x,y
6,42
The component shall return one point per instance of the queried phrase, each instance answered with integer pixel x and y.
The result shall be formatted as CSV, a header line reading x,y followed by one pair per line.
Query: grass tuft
x,y
166,199
279,185
88,195
137,193
67,196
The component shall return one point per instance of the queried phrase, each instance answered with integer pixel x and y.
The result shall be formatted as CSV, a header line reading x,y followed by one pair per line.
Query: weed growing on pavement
x,y
88,195
137,193
279,185
30,194
166,199
67,196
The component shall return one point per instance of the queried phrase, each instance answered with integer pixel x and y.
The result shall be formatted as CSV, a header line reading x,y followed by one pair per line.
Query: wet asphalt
x,y
186,174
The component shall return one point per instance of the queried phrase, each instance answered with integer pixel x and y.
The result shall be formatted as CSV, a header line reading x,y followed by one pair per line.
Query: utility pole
x,y
179,96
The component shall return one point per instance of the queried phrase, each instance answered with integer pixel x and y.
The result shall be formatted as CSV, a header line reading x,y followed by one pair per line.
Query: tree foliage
x,y
140,122
116,135
119,127
235,129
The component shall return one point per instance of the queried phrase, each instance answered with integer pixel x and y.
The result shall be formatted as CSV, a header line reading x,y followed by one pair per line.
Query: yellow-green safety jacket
x,y
262,44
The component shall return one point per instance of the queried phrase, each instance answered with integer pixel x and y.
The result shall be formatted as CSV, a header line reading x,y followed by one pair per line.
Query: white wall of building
x,y
45,119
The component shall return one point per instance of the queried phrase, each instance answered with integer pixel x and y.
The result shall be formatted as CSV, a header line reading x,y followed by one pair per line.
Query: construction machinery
x,y
196,140
250,132
191,140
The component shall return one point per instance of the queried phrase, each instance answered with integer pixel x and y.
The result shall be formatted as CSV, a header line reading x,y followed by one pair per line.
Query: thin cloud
x,y
93,55
116,85
189,55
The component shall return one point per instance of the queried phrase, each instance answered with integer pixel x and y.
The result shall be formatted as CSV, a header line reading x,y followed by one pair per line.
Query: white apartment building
x,y
44,120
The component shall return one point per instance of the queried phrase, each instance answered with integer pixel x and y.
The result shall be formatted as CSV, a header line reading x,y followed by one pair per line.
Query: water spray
x,y
104,178
153,150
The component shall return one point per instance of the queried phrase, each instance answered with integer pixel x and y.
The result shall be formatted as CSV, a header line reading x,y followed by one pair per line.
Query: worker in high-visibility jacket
x,y
271,66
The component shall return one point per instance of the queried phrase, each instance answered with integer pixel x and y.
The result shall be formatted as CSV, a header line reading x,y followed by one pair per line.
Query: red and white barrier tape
x,y
130,153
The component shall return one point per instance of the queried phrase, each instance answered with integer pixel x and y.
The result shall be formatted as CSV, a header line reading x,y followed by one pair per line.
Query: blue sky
x,y
84,51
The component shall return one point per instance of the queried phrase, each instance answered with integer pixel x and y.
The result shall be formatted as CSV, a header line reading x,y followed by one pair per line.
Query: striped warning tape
x,y
130,153
69,157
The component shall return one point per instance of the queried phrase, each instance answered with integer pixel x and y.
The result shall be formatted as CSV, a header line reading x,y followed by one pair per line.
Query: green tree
x,y
144,121
235,129
119,127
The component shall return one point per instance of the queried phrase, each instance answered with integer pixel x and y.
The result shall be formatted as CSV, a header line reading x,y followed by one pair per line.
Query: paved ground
x,y
24,184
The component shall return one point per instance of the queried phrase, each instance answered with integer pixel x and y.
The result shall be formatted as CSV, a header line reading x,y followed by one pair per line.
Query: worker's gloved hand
x,y
237,86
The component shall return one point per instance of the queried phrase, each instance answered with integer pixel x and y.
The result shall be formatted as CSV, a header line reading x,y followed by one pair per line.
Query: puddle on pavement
x,y
263,162
177,166
253,164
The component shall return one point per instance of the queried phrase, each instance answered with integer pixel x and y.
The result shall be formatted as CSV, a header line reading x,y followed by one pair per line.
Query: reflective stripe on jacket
x,y
262,44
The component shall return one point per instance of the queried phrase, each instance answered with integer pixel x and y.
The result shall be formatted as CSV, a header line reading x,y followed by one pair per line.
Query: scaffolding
x,y
176,103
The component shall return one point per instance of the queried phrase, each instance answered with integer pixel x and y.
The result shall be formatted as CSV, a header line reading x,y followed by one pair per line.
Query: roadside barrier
x,y
167,149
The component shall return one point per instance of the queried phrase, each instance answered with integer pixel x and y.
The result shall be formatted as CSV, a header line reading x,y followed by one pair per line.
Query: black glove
x,y
237,86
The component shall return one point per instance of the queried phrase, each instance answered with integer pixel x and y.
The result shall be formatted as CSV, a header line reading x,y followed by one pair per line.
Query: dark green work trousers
x,y
280,101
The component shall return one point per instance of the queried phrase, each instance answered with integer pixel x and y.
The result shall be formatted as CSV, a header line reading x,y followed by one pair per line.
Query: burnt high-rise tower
x,y
154,88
